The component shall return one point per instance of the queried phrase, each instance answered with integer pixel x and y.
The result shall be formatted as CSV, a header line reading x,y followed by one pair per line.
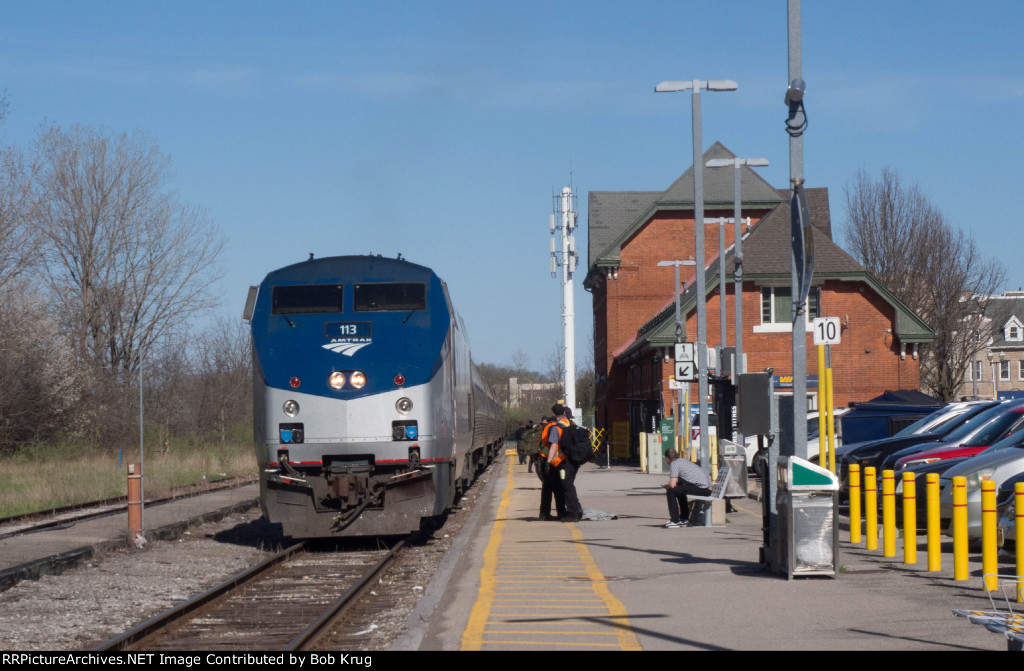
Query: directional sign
x,y
686,371
826,331
684,351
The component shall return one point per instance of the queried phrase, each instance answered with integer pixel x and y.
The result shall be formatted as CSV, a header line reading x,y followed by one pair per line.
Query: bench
x,y
701,506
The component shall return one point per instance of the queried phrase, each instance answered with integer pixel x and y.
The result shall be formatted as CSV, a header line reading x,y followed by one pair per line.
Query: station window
x,y
1004,370
777,305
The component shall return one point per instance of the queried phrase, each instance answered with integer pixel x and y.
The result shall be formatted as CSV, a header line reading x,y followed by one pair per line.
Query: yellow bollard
x,y
909,519
934,524
822,411
855,503
989,547
1018,505
871,507
959,528
888,513
831,423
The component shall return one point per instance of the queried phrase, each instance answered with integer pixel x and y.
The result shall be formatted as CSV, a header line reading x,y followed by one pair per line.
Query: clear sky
x,y
441,129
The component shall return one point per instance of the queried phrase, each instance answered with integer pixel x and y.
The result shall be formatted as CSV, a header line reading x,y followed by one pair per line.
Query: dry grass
x,y
41,478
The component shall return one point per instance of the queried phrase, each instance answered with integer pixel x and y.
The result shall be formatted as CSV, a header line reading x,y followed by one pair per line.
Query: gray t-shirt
x,y
687,471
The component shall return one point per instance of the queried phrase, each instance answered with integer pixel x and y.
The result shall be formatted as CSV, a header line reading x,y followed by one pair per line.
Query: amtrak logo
x,y
346,347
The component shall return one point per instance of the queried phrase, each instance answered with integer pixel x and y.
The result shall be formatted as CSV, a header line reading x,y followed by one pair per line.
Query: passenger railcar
x,y
369,415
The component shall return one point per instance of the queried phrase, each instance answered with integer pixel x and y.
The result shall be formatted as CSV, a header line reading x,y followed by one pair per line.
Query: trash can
x,y
807,500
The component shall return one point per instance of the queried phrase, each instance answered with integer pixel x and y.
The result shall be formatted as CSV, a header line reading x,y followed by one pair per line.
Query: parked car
x,y
1007,511
920,473
812,450
931,429
998,463
974,436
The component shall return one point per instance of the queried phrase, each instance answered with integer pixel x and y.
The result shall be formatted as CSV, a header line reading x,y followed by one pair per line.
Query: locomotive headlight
x,y
357,379
336,380
403,405
291,408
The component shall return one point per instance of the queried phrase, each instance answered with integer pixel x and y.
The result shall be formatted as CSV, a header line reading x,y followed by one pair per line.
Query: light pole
x,y
695,87
737,257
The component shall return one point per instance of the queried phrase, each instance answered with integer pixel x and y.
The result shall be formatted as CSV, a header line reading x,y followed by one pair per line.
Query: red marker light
x,y
399,379
295,382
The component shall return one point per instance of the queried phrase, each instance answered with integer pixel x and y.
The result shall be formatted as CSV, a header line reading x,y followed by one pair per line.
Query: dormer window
x,y
1014,330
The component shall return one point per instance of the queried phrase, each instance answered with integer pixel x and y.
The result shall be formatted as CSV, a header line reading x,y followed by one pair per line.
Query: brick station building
x,y
629,232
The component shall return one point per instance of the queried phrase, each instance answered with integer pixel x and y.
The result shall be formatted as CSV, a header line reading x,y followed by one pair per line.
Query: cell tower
x,y
563,219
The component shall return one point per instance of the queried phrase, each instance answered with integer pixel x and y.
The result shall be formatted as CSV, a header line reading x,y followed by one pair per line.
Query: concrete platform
x,y
678,589
52,551
624,584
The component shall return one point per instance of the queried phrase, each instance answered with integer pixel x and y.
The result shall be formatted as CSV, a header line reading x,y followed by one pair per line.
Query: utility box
x,y
655,453
807,498
754,403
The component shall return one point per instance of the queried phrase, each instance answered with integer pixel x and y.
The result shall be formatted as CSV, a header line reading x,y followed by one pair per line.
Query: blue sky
x,y
442,129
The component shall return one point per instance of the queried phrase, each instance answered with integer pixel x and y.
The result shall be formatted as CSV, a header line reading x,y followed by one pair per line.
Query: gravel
x,y
87,605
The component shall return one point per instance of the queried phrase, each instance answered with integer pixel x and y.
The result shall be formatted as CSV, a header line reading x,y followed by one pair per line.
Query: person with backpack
x,y
548,472
562,439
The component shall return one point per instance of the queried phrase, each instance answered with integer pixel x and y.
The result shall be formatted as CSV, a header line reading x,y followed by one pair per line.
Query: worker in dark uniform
x,y
550,475
569,469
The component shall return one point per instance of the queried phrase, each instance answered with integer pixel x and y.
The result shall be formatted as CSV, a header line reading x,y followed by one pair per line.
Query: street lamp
x,y
695,86
992,369
737,257
679,320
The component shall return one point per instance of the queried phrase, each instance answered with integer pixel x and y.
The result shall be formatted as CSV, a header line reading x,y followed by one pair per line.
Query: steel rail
x,y
314,630
164,619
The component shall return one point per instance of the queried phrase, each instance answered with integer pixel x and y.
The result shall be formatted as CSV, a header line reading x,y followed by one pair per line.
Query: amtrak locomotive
x,y
369,415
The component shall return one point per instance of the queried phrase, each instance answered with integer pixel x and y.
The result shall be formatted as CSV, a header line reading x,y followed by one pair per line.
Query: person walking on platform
x,y
684,477
519,443
530,444
551,484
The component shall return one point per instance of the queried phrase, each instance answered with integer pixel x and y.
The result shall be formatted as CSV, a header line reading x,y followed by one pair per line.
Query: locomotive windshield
x,y
391,296
307,299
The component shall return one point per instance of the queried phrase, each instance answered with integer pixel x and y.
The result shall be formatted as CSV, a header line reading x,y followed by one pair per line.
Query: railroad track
x,y
68,515
286,602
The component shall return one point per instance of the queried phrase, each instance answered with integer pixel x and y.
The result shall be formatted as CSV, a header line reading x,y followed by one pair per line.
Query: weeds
x,y
41,477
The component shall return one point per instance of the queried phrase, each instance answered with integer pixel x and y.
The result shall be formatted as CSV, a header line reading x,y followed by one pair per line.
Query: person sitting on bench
x,y
684,477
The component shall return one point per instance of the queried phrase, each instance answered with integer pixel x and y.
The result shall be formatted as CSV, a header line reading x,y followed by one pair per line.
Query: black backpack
x,y
575,444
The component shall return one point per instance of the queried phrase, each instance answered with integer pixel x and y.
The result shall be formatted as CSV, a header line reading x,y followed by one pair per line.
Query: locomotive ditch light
x,y
336,380
291,408
357,379
403,405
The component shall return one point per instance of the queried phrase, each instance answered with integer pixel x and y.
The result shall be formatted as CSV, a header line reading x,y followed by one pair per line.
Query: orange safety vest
x,y
545,442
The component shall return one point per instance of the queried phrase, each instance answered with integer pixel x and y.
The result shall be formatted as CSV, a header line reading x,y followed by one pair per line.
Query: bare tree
x,y
128,262
18,239
224,369
938,272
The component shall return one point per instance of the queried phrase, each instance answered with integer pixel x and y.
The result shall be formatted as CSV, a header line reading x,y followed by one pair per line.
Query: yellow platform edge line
x,y
472,636
479,618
